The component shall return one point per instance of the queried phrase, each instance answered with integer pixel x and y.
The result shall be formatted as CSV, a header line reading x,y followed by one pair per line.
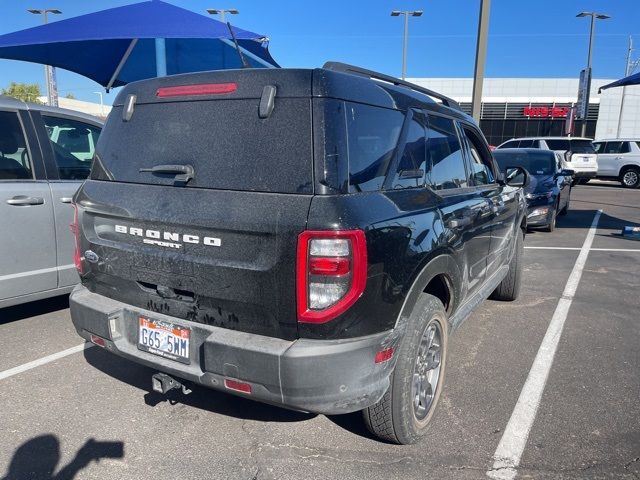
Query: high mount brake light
x,y
199,89
75,229
331,273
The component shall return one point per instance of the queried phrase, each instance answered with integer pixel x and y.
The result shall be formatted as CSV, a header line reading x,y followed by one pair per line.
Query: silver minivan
x,y
45,155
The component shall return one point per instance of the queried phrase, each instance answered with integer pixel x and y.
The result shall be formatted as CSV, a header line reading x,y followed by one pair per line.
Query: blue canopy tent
x,y
120,45
623,82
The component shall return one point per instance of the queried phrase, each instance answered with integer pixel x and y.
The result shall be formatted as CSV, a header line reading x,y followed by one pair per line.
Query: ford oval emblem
x,y
91,256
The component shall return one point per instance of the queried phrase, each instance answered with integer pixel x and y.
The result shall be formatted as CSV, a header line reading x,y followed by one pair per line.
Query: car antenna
x,y
245,64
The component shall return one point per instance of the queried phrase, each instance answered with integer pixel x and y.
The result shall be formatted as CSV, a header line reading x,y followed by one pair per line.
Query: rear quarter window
x,y
372,136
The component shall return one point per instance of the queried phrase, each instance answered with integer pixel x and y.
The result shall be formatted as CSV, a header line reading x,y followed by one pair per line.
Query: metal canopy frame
x,y
123,60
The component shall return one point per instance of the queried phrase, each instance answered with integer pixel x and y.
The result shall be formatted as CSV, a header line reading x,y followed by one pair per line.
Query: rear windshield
x,y
225,141
536,163
576,146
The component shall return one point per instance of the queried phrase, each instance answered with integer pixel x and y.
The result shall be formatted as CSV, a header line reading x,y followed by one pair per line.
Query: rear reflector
x,y
237,385
97,340
384,355
200,89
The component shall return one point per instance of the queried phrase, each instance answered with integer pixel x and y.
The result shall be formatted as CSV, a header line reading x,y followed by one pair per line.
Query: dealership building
x,y
527,107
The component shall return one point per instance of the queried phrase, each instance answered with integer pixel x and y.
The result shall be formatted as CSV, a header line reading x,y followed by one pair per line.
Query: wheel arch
x,y
441,278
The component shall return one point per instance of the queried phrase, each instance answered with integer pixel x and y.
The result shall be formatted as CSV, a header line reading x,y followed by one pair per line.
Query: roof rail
x,y
346,68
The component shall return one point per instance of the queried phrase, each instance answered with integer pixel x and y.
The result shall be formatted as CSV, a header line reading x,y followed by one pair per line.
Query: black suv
x,y
306,238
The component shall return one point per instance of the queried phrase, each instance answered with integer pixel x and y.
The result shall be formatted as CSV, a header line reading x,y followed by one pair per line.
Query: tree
x,y
70,96
27,92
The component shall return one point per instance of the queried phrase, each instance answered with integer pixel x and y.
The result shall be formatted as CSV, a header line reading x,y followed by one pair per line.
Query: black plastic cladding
x,y
404,228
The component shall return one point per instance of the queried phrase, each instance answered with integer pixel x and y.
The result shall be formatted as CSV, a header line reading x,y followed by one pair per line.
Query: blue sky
x,y
527,38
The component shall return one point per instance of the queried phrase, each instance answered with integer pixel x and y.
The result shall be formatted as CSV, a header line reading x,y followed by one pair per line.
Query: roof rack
x,y
346,68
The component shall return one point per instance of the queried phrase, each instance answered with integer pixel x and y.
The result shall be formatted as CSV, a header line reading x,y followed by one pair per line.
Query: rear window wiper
x,y
183,173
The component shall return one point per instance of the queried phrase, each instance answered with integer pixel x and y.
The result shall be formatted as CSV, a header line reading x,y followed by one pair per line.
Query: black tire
x,y
394,418
552,223
509,288
630,177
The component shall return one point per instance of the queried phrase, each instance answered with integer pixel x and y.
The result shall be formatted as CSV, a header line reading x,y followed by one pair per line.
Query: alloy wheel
x,y
427,370
630,178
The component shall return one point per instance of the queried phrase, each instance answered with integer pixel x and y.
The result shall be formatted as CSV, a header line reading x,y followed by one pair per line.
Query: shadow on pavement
x,y
38,458
33,309
202,398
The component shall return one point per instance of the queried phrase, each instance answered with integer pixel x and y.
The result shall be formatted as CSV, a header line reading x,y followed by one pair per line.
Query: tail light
x,y
75,229
331,273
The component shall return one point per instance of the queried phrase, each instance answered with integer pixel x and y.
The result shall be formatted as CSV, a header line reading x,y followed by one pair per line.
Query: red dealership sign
x,y
544,112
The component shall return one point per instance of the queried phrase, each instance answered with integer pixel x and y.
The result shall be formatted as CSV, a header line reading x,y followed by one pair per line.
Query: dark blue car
x,y
549,192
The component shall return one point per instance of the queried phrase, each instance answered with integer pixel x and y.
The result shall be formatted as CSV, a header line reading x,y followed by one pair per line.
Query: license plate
x,y
585,159
164,339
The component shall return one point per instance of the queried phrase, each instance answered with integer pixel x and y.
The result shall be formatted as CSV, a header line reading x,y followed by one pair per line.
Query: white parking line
x,y
591,249
44,360
514,439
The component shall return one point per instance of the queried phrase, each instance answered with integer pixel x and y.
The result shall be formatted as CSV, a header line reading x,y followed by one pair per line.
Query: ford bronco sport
x,y
305,238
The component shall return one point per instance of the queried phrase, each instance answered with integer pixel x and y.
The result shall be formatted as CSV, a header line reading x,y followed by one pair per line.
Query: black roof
x,y
291,83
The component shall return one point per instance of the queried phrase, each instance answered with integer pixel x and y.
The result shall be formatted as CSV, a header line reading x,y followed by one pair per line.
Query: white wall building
x,y
506,102
90,108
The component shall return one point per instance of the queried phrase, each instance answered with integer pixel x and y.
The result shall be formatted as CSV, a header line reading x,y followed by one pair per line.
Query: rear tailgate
x,y
220,248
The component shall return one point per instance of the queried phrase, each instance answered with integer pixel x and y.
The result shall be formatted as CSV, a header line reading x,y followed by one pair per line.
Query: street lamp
x,y
594,16
397,13
222,11
101,104
49,71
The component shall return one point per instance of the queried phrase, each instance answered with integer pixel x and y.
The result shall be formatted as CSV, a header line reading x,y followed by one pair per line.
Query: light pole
x,y
594,16
222,12
101,104
406,14
481,56
49,71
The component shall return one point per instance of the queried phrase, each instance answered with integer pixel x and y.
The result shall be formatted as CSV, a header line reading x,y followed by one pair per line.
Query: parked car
x,y
619,159
306,238
578,154
38,177
549,193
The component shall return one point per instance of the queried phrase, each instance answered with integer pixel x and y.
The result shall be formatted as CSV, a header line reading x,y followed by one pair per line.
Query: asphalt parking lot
x,y
91,415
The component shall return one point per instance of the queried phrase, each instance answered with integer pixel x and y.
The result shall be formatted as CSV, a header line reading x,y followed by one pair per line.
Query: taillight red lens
x,y
75,229
329,266
331,273
200,89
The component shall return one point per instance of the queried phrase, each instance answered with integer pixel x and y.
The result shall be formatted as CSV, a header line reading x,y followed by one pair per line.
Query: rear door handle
x,y
23,200
66,199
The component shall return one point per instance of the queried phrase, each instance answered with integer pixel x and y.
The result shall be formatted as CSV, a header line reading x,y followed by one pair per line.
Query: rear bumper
x,y
329,377
591,173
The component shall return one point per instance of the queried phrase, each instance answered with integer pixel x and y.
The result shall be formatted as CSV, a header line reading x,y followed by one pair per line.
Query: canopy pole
x,y
124,59
247,53
161,57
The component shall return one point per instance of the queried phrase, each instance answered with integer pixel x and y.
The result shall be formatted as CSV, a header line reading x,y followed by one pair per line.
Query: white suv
x,y
619,159
577,154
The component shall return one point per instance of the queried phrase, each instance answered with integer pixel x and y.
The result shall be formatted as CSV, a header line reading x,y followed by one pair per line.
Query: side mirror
x,y
517,177
566,172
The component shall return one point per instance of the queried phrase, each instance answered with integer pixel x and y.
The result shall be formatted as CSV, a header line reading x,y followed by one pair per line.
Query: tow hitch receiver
x,y
162,383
